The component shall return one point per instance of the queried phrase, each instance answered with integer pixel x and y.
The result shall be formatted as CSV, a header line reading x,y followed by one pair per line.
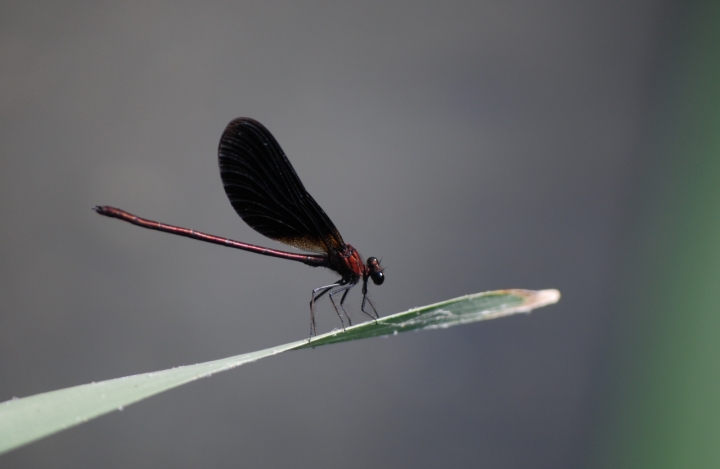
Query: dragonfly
x,y
267,193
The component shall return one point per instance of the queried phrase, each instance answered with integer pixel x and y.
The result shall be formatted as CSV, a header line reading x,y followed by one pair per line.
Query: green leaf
x,y
31,418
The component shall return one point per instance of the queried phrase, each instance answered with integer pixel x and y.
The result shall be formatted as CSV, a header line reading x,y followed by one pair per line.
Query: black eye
x,y
376,272
377,277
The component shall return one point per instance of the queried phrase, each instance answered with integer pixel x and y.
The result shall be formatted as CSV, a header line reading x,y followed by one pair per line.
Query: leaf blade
x,y
28,419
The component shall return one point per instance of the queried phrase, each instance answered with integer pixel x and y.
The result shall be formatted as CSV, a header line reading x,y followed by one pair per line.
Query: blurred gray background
x,y
471,145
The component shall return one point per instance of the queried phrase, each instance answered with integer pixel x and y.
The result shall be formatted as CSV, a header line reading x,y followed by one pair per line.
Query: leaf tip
x,y
547,297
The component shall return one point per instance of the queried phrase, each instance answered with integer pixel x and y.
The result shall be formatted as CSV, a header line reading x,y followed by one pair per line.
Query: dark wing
x,y
265,191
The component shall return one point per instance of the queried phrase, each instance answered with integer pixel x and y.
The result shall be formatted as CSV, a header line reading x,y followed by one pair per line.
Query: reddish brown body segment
x,y
112,212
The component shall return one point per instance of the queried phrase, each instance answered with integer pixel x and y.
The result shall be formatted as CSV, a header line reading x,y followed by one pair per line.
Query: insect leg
x,y
316,296
345,289
365,298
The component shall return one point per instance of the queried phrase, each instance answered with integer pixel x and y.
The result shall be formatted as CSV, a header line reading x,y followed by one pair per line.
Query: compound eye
x,y
376,272
377,277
